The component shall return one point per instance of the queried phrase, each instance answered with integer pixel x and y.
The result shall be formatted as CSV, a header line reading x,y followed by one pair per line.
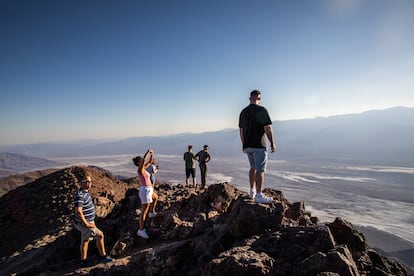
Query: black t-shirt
x,y
252,120
203,156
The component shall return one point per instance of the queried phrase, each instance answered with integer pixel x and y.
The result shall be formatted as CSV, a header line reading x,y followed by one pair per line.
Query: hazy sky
x,y
80,69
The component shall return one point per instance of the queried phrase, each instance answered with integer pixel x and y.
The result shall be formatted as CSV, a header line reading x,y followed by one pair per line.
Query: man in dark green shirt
x,y
189,158
255,125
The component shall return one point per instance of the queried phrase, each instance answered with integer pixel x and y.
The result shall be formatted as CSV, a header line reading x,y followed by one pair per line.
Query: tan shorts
x,y
88,233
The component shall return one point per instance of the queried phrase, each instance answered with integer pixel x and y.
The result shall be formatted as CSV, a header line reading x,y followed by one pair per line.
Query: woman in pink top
x,y
146,191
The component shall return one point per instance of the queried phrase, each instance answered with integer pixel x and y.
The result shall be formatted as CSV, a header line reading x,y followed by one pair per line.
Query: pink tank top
x,y
145,179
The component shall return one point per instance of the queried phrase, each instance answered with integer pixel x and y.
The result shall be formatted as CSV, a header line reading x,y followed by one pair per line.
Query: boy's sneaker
x,y
106,259
152,214
263,199
143,234
252,194
84,263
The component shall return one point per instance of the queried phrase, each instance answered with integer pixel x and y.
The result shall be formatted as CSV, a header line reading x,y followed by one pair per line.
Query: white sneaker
x,y
152,214
143,234
252,194
263,199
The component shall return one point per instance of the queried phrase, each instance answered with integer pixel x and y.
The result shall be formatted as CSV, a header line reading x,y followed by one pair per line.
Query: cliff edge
x,y
212,231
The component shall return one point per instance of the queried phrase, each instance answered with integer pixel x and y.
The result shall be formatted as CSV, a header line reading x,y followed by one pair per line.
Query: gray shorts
x,y
257,158
88,233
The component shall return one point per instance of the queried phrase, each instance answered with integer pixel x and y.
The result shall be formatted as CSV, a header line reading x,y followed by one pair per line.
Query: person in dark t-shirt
x,y
203,157
255,125
189,158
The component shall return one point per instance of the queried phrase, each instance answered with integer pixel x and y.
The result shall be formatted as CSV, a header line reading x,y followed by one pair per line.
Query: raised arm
x,y
146,163
152,160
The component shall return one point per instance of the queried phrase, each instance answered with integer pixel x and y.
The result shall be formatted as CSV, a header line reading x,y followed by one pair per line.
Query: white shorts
x,y
145,194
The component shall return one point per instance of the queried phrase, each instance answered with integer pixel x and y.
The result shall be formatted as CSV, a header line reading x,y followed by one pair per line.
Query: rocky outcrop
x,y
42,210
12,181
213,231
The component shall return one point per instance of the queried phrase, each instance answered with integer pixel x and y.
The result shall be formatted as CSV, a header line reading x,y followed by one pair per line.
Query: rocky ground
x,y
213,231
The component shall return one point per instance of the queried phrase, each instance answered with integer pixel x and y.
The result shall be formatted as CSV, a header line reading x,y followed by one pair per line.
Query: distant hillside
x,y
380,135
11,162
13,181
5,173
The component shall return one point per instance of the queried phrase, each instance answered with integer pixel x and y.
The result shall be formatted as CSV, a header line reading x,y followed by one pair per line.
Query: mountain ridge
x,y
377,135
12,163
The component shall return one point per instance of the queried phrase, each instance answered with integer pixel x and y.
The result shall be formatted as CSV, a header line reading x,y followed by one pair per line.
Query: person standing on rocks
x,y
203,157
255,125
84,221
189,158
152,169
146,191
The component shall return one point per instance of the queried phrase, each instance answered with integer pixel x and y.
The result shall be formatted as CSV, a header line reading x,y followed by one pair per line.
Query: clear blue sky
x,y
80,69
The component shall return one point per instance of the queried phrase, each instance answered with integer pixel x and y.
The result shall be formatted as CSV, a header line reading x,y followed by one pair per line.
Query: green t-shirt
x,y
189,160
252,120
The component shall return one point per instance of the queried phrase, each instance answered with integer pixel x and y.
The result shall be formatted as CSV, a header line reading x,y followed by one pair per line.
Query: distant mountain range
x,y
12,181
11,163
379,135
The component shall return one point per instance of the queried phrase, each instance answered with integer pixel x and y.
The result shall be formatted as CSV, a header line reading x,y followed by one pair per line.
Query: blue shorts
x,y
257,158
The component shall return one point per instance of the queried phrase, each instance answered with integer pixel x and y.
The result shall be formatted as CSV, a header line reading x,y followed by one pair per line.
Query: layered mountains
x,y
380,135
11,163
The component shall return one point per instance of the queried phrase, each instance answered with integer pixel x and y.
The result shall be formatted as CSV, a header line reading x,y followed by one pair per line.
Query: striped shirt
x,y
83,199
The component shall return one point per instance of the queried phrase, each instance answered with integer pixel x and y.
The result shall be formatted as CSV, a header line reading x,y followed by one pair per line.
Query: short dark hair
x,y
254,93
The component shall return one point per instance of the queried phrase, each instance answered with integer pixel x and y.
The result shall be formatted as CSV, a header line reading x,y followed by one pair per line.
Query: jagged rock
x,y
103,206
122,244
380,265
248,218
240,261
337,261
345,233
295,211
367,260
213,231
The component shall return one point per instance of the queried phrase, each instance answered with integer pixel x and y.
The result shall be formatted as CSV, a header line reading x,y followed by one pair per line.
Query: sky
x,y
82,69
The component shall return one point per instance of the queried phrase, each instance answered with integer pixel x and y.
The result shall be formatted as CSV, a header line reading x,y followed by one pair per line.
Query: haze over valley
x,y
384,136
